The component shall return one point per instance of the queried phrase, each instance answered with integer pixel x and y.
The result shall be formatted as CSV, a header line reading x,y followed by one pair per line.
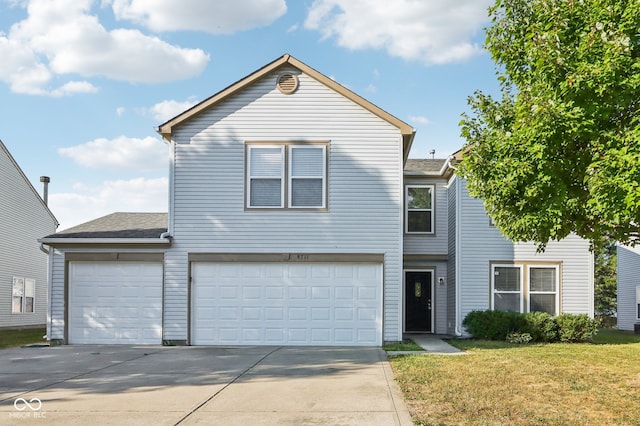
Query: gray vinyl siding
x,y
23,219
628,280
364,188
427,243
481,243
452,202
57,295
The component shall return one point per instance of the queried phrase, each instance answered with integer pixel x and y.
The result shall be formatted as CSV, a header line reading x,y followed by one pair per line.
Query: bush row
x,y
532,326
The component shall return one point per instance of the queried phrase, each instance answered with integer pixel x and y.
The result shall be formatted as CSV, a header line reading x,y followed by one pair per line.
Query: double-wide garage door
x,y
286,304
115,302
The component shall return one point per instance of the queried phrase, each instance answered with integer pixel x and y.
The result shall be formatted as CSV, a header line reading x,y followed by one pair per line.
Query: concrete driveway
x,y
80,385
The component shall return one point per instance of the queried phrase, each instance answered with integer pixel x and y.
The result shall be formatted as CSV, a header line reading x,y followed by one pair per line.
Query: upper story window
x,y
419,217
23,295
535,291
286,176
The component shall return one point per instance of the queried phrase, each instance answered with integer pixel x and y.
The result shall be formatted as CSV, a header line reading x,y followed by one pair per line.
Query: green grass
x,y
405,345
13,338
538,384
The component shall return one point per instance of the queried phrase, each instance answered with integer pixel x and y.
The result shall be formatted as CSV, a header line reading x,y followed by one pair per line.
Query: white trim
x,y
493,287
432,209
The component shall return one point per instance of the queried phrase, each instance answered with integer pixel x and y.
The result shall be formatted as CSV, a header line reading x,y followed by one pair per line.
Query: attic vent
x,y
287,83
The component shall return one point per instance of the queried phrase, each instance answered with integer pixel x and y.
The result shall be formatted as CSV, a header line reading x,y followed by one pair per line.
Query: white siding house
x,y
24,218
294,219
628,287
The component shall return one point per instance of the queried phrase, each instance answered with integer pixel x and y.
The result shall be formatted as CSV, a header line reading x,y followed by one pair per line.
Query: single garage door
x,y
286,304
115,302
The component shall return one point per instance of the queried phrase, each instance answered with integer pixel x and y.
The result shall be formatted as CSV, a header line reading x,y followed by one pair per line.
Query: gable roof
x,y
431,166
115,226
28,182
406,130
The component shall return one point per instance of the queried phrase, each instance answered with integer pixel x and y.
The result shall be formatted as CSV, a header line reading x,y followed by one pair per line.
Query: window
x,y
299,171
537,290
419,211
543,289
638,302
23,295
507,288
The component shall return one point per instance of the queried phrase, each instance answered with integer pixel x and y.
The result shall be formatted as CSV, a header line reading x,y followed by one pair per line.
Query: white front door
x,y
115,303
286,304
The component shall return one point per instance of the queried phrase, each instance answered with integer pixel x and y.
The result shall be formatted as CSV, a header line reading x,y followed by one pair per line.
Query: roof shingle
x,y
119,225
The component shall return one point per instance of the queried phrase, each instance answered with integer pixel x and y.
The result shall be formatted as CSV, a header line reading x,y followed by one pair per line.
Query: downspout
x,y
49,290
458,192
458,330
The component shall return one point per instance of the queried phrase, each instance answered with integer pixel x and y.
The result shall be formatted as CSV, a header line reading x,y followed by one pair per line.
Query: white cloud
x,y
88,203
216,17
163,111
432,32
120,111
62,37
419,119
121,153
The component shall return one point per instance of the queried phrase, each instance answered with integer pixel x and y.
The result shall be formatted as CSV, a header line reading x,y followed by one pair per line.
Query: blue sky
x,y
84,84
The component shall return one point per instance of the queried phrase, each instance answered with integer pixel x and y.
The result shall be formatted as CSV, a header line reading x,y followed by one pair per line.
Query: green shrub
x,y
532,327
492,325
541,326
576,328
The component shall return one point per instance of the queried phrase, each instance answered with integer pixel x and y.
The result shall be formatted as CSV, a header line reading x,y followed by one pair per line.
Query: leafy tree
x,y
560,151
605,296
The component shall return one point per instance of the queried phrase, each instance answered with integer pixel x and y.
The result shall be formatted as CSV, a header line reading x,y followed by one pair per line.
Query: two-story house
x,y
295,218
24,217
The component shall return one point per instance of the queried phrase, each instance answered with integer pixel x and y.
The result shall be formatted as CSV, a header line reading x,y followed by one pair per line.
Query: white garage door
x,y
115,302
286,304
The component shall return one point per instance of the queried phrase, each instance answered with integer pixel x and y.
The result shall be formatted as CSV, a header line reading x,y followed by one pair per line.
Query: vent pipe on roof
x,y
45,188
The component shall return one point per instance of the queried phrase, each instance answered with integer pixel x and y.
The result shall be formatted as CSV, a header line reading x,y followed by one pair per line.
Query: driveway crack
x,y
238,377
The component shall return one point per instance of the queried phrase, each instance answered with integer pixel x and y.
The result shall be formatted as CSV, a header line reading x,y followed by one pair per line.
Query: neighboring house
x,y
293,220
24,217
628,288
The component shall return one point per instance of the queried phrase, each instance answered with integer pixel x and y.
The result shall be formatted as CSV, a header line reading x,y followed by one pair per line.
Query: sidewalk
x,y
432,344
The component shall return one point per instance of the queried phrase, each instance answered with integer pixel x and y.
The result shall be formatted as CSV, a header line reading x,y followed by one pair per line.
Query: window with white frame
x,y
286,176
23,295
537,290
543,289
507,288
638,303
419,217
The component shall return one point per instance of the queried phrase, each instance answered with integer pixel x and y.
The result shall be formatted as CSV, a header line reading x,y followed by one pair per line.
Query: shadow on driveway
x,y
208,385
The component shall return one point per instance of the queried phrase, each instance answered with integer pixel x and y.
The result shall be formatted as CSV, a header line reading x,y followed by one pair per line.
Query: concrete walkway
x,y
431,344
155,385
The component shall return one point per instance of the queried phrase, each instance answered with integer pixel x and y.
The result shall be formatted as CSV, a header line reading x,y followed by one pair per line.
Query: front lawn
x,y
13,338
502,383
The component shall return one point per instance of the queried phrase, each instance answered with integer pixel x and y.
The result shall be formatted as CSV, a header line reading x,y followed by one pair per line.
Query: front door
x,y
417,298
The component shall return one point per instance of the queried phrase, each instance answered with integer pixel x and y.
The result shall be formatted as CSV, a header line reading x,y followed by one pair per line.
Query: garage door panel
x,y
280,303
115,303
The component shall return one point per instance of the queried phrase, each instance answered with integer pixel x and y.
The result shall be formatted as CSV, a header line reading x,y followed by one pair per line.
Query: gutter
x,y
164,240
